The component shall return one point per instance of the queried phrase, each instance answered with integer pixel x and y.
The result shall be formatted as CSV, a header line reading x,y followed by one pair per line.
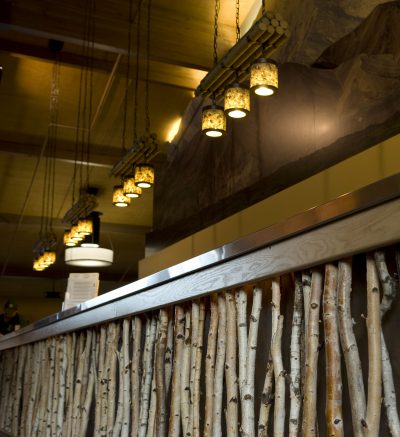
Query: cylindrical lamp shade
x,y
75,234
130,189
237,101
213,121
49,257
38,266
144,175
68,241
89,256
119,199
264,77
85,226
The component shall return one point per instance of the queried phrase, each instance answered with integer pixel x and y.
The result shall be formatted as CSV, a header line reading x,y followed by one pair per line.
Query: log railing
x,y
248,343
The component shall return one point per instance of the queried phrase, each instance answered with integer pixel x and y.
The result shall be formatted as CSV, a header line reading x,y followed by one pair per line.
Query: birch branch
x,y
61,385
247,397
101,375
18,389
310,384
199,356
161,409
241,310
350,349
230,367
334,418
185,383
219,367
147,376
279,410
175,412
136,373
193,352
390,289
152,410
267,396
295,359
374,351
169,353
116,430
126,378
210,365
108,392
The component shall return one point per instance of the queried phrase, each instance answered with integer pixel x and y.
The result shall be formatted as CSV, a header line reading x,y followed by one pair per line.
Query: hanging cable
x,y
237,20
136,98
147,98
128,67
217,9
263,7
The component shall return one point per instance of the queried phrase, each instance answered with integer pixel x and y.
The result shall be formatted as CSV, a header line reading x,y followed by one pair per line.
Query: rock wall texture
x,y
346,102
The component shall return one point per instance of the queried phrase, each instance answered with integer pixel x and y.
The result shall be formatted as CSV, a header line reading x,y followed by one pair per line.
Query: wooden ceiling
x,y
181,54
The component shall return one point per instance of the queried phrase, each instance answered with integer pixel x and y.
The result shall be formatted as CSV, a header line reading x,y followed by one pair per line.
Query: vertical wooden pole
x,y
309,426
230,367
334,418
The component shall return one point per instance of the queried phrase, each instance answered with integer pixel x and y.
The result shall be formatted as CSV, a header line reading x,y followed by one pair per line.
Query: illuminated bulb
x,y
119,199
144,175
264,77
130,189
237,101
213,121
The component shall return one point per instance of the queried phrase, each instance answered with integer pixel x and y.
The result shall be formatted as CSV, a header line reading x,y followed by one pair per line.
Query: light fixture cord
x,y
147,98
128,68
91,67
237,20
263,7
136,98
217,9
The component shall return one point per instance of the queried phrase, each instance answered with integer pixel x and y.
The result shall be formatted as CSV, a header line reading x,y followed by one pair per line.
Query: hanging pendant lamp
x,y
49,257
213,122
237,101
264,77
68,241
144,175
130,189
85,226
119,199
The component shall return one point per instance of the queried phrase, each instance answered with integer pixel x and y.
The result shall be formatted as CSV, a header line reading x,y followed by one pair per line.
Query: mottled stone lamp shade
x,y
264,77
144,175
213,122
130,189
237,101
38,265
85,226
68,241
49,257
75,234
119,199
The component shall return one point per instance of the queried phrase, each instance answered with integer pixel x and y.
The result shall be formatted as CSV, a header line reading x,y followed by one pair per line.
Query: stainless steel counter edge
x,y
367,197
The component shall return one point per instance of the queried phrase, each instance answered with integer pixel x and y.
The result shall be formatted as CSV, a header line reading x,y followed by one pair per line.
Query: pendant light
x,y
237,101
237,96
68,241
264,77
119,199
85,226
49,257
130,189
213,120
144,175
90,254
